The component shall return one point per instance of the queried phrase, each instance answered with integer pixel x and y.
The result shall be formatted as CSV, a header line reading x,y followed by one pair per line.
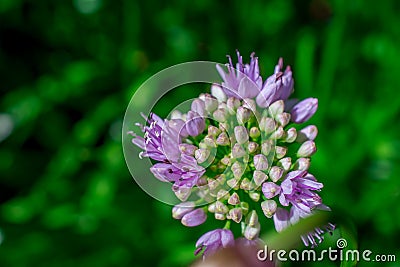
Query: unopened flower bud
x,y
259,177
234,183
222,139
278,134
234,199
222,194
306,149
187,149
246,184
211,207
269,208
270,189
237,169
194,218
209,141
243,115
283,119
213,184
267,125
224,126
304,110
221,178
250,104
202,181
245,207
220,115
280,152
255,196
210,103
252,218
201,155
220,207
182,193
266,147
275,173
238,151
220,216
260,162
307,133
218,93
285,163
302,164
276,108
236,214
252,147
226,161
252,232
213,131
233,103
195,124
199,107
181,209
177,115
241,134
254,132
291,135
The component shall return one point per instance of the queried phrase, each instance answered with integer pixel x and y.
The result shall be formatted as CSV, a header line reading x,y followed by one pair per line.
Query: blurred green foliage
x,y
69,68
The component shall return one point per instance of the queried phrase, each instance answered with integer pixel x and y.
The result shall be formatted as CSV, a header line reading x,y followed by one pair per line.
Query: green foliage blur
x,y
69,68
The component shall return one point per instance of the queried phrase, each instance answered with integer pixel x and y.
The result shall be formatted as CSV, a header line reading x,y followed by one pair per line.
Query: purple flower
x,y
184,173
151,143
297,189
312,237
284,219
278,86
178,211
270,189
244,80
195,124
194,218
304,110
214,240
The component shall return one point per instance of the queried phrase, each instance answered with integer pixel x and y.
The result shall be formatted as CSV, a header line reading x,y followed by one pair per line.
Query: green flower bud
x,y
254,132
255,196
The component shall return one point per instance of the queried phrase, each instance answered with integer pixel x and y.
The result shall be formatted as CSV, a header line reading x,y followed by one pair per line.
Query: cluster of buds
x,y
240,150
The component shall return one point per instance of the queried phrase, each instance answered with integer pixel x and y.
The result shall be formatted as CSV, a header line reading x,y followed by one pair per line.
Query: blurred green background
x,y
69,68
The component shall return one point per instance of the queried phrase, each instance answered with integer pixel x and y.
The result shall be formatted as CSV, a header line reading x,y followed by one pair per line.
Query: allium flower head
x,y
241,151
